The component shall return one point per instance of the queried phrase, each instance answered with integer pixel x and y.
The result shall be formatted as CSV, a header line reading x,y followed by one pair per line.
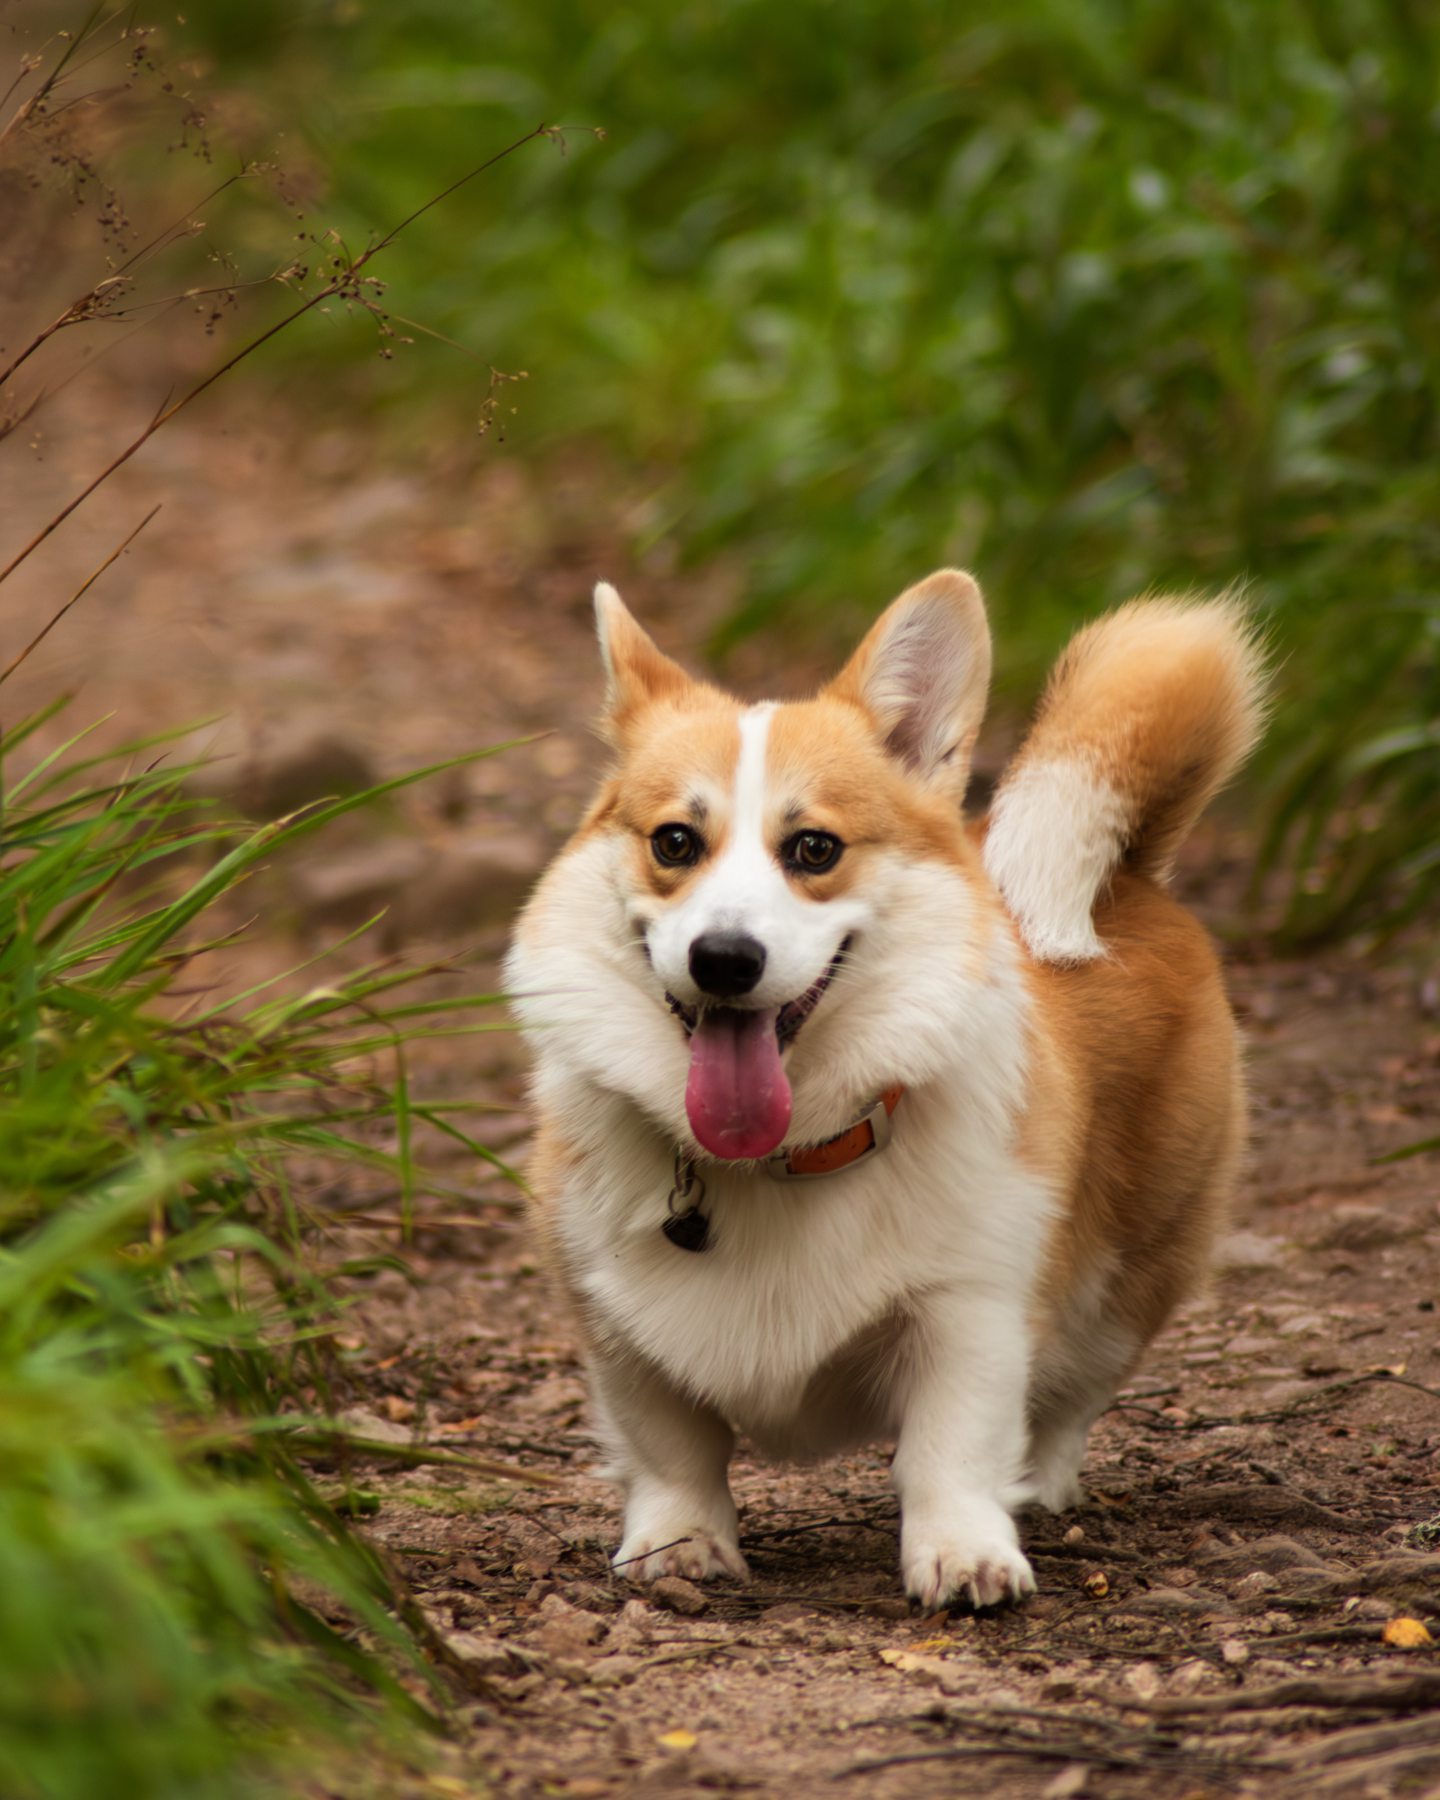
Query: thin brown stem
x,y
344,278
79,594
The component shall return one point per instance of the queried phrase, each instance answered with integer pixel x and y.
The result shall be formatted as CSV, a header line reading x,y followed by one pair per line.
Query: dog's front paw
x,y
688,1550
971,1555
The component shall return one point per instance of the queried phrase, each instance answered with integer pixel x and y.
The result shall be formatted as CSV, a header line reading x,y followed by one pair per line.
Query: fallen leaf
x,y
678,1740
1406,1634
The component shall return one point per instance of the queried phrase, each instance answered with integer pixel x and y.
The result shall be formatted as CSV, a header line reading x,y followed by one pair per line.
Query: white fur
x,y
1057,831
889,1300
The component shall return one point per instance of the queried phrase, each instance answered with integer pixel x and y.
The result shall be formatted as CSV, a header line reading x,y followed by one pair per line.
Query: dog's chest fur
x,y
806,1299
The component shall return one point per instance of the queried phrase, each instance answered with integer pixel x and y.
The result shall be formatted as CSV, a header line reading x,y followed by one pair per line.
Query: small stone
x,y
1187,1676
488,1655
1069,1783
1257,1583
1143,1680
357,1421
679,1595
563,1629
1242,1250
634,1628
1302,1325
1075,1535
1234,1652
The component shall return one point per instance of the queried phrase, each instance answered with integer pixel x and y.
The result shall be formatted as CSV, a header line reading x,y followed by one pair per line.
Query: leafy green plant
x,y
1093,297
180,1609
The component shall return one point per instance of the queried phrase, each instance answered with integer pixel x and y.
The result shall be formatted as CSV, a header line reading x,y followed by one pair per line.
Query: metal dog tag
x,y
687,1228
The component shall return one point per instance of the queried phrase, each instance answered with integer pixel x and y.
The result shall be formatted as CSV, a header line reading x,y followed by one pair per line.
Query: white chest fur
x,y
794,1272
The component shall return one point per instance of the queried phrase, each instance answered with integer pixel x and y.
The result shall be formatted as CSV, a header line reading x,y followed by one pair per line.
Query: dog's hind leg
x,y
670,1455
1058,1440
1069,1394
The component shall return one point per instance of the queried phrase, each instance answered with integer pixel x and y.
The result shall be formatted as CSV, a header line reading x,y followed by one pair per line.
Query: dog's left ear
x,y
637,671
922,674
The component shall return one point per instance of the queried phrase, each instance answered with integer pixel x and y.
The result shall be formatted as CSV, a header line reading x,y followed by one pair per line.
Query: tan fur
x,y
1162,699
1139,1087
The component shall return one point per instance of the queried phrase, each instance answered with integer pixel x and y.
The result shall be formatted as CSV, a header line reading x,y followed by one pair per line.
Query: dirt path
x,y
1262,1503
1258,1512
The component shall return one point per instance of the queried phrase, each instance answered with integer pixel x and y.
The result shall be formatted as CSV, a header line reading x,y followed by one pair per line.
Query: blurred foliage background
x,y
1090,296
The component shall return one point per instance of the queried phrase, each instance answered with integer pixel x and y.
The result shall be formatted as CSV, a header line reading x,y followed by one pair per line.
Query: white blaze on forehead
x,y
736,895
749,822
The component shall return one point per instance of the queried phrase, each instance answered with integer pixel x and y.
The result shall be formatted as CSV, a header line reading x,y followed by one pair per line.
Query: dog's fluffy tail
x,y
1147,714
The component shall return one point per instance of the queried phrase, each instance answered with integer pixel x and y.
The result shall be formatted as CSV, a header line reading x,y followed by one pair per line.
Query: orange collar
x,y
688,1228
867,1136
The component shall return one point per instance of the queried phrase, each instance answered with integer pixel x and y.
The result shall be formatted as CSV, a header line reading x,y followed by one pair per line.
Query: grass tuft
x,y
180,1606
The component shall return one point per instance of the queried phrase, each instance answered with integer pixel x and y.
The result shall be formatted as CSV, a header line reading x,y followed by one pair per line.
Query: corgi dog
x,y
862,1120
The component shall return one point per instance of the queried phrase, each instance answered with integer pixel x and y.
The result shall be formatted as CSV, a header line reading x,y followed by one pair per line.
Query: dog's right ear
x,y
637,673
922,674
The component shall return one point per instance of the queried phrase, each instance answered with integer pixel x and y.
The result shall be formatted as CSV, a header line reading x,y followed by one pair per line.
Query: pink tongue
x,y
737,1096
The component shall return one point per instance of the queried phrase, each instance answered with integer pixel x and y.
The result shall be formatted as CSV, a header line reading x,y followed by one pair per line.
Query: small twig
x,y
672,1545
315,1438
1405,1693
1299,1408
79,594
1364,1741
716,1647
1059,1750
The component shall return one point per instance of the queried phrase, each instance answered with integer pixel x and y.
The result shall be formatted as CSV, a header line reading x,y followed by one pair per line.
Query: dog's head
x,y
791,886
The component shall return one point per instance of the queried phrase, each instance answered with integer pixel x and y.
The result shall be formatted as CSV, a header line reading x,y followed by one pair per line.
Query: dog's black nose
x,y
726,964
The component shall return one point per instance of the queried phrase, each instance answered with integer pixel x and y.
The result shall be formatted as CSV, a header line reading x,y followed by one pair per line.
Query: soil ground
x,y
1262,1503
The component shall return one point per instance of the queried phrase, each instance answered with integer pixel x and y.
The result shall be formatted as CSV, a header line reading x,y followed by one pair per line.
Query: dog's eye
x,y
812,852
676,846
